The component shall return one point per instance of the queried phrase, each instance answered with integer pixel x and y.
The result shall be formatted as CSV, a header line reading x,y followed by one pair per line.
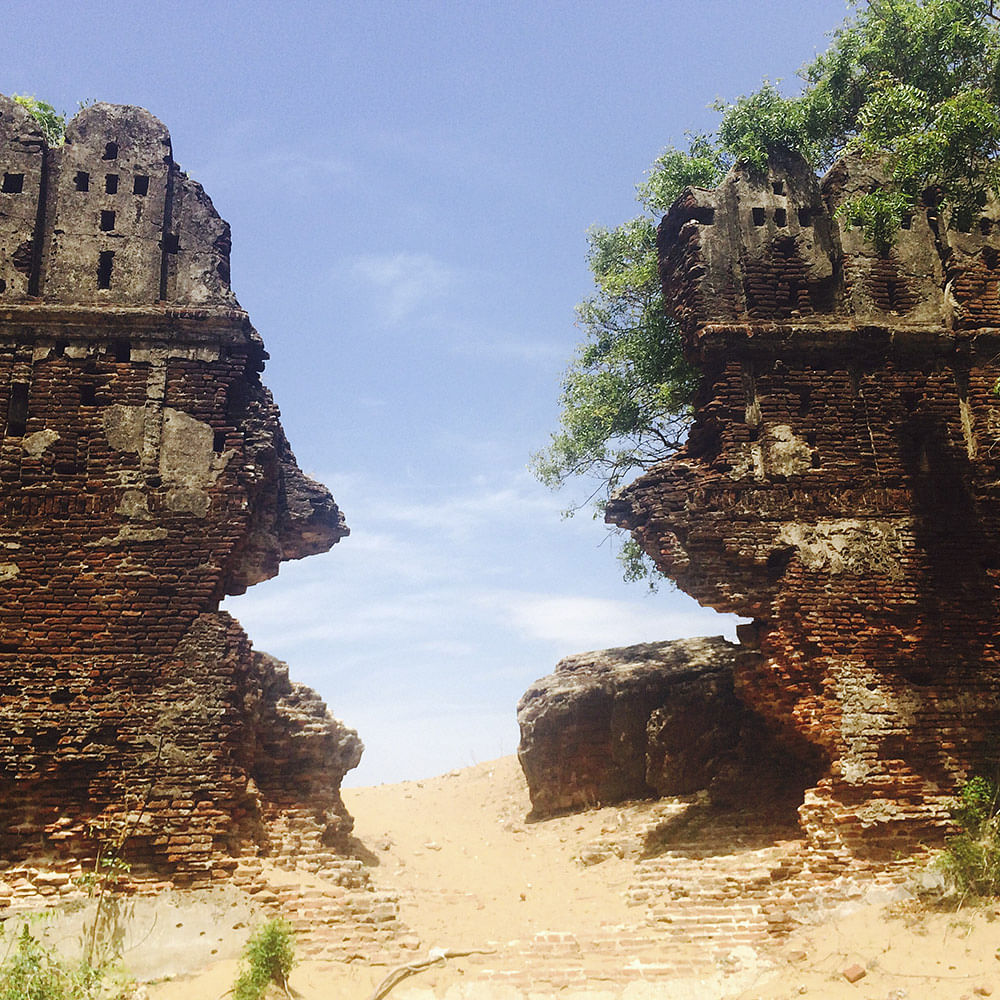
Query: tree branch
x,y
436,956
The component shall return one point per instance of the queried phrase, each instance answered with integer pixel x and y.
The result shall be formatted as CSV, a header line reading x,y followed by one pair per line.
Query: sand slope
x,y
472,874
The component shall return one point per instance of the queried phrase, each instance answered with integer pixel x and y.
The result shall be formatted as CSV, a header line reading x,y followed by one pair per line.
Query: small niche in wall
x,y
219,442
778,187
3,286
780,217
17,410
140,185
705,214
82,180
12,183
110,151
758,216
88,394
107,221
122,350
111,184
105,264
963,220
805,217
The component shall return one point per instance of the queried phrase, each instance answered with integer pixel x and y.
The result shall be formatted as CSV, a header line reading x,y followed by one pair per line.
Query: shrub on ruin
x,y
52,124
971,858
267,958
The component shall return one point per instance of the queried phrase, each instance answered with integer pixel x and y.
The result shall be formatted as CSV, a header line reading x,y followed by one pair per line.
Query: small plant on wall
x,y
267,958
971,858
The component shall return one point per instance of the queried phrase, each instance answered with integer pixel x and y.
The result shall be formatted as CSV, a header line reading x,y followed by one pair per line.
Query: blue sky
x,y
409,186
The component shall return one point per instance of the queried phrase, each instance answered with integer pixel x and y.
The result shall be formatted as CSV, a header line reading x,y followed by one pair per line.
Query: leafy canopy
x,y
913,82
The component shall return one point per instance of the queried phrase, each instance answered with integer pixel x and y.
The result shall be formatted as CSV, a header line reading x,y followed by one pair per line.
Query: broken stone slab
x,y
657,718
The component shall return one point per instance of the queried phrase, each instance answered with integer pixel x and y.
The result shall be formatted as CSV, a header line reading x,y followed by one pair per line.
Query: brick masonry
x,y
839,486
144,475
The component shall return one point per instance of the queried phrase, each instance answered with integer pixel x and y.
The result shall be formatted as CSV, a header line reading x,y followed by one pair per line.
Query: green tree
x,y
915,83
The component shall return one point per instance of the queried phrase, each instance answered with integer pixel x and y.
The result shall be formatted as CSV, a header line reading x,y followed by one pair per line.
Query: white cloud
x,y
404,284
462,515
582,623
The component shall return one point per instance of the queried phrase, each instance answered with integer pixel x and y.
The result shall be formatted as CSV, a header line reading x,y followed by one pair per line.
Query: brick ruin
x,y
841,485
144,475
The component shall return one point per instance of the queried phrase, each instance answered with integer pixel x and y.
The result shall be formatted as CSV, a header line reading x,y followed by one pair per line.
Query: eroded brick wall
x,y
144,475
840,485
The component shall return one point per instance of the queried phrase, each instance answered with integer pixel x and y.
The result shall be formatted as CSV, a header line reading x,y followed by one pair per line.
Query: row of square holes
x,y
781,217
140,183
14,183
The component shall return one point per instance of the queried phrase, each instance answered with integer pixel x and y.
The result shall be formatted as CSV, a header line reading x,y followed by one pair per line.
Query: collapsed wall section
x,y
144,475
840,485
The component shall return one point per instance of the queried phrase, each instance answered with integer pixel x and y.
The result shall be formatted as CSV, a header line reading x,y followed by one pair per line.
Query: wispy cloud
x,y
404,286
581,623
245,158
473,513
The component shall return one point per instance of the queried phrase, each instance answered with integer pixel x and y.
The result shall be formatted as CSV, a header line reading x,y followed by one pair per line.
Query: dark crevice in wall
x,y
167,245
38,237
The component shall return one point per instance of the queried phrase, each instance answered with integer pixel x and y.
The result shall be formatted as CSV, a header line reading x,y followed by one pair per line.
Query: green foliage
x,y
268,958
764,123
913,83
32,972
52,123
701,165
971,859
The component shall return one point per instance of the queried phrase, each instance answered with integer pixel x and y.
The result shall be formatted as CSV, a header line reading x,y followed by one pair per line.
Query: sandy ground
x,y
471,871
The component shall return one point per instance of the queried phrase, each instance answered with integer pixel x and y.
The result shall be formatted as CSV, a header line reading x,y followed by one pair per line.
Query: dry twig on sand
x,y
434,957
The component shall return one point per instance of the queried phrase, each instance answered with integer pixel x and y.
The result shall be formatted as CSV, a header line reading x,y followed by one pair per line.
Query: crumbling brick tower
x,y
143,476
841,485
